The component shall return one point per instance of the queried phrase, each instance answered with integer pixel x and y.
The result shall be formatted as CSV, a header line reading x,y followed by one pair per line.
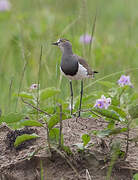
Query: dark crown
x,y
63,40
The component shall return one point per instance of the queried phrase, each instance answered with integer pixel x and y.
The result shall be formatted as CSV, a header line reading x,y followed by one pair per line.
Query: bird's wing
x,y
85,64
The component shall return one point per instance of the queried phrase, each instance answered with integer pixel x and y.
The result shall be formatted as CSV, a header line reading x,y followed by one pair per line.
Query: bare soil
x,y
15,164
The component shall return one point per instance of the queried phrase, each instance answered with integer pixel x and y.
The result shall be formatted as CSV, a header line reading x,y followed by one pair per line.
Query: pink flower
x,y
34,86
124,80
5,5
103,103
85,39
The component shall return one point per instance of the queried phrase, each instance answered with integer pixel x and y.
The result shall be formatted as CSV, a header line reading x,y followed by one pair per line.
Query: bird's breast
x,y
69,67
80,74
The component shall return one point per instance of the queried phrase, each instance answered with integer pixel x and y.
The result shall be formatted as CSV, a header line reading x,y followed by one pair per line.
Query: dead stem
x,y
88,177
35,107
68,161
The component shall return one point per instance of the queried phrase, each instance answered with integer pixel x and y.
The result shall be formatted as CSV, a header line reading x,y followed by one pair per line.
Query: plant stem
x,y
47,129
48,139
127,145
23,71
37,99
127,140
60,132
92,33
35,107
112,162
121,95
10,91
42,170
21,81
109,75
68,161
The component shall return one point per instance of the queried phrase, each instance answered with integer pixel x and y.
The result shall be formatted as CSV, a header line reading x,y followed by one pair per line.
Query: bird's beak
x,y
55,43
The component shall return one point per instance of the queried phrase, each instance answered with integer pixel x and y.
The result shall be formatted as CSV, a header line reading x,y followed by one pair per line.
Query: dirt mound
x,y
16,164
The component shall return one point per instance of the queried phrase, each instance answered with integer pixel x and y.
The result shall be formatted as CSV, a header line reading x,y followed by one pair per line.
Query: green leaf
x,y
118,131
86,114
31,123
55,119
111,124
123,89
115,101
11,118
26,95
16,125
67,149
107,113
48,109
86,138
108,132
119,111
54,136
103,133
48,92
133,111
24,137
134,96
107,84
134,123
135,176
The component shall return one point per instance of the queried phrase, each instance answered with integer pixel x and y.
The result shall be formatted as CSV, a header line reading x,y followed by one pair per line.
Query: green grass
x,y
31,24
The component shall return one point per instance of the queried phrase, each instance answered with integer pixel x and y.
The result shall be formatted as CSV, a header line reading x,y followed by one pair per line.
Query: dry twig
x,y
40,110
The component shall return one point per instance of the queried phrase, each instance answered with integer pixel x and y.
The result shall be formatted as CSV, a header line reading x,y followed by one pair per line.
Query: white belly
x,y
81,74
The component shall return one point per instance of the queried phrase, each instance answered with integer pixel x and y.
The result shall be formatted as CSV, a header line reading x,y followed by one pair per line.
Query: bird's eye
x,y
63,40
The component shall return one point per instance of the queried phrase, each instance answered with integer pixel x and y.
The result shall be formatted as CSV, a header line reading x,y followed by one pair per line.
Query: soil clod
x,y
12,135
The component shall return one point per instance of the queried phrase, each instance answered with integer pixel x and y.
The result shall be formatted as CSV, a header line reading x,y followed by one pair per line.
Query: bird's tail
x,y
94,72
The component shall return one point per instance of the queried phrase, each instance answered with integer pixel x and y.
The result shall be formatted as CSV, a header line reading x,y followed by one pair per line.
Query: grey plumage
x,y
70,62
74,67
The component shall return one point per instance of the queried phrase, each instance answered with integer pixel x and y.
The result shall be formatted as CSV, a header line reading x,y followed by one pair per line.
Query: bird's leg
x,y
81,93
71,91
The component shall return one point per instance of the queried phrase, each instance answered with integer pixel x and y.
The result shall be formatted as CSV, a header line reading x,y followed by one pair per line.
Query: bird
x,y
73,67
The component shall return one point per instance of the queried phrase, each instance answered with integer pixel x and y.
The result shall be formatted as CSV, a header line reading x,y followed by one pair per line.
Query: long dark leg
x,y
71,93
81,93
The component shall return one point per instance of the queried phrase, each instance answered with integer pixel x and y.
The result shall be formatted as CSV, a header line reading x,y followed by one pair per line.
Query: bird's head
x,y
63,44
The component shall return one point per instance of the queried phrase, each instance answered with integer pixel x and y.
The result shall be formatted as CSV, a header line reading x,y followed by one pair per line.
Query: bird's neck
x,y
67,51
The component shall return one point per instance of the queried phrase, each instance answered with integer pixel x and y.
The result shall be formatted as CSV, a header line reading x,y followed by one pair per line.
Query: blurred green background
x,y
32,23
